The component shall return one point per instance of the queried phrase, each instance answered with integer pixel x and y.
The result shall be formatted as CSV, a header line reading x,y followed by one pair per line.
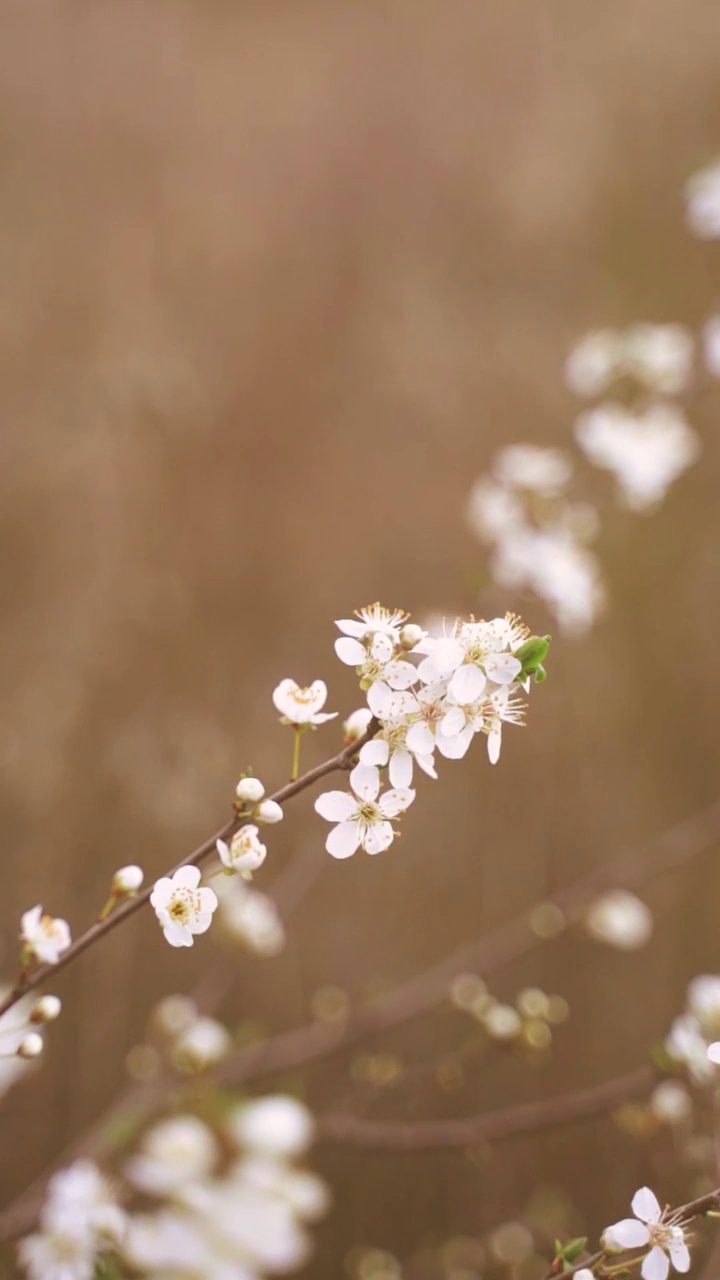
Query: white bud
x,y
356,724
46,1009
128,879
250,790
502,1022
31,1047
268,811
671,1103
411,635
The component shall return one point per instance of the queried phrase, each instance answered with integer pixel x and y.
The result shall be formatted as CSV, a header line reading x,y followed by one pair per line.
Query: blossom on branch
x,y
44,937
363,816
245,853
650,1227
182,907
302,706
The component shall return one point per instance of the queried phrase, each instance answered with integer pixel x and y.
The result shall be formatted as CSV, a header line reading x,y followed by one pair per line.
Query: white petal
x,y
656,1265
427,764
713,1052
336,806
382,648
343,840
208,900
375,753
502,668
494,744
446,656
282,692
351,627
401,675
395,802
322,717
456,747
680,1255
467,684
452,722
401,768
201,923
645,1205
419,739
178,935
162,893
187,877
380,700
378,837
630,1233
365,781
351,652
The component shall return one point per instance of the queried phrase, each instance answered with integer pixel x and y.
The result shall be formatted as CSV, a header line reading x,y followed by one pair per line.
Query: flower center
x,y
49,927
369,813
182,906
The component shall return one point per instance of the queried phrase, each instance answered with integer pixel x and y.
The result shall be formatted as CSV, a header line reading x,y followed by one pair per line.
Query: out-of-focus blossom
x,y
78,1221
592,364
172,1153
250,918
645,451
670,1102
528,466
702,195
44,937
620,919
201,1045
277,1125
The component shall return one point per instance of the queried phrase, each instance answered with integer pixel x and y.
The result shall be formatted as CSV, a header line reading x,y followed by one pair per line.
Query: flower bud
x,y
46,1009
127,880
268,811
31,1047
250,790
411,635
356,725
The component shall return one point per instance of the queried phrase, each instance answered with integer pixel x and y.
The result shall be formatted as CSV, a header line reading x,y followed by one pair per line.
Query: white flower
x,y
389,747
268,811
170,1243
356,725
527,466
647,1228
374,619
173,1153
245,853
250,917
591,365
660,356
127,880
299,705
46,1009
363,817
702,192
250,790
686,1043
182,908
558,568
277,1126
377,661
432,728
44,937
703,998
31,1046
81,1195
65,1254
584,1274
670,1102
646,452
306,1194
493,511
201,1045
620,919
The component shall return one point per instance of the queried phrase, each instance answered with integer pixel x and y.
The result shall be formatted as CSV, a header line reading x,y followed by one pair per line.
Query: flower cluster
x,y
245,1215
465,682
79,1221
538,533
691,1037
661,1231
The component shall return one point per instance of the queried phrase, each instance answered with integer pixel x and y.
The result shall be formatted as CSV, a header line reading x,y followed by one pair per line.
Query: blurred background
x,y
277,279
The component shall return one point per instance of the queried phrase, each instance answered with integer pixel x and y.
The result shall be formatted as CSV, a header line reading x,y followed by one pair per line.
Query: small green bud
x,y
532,653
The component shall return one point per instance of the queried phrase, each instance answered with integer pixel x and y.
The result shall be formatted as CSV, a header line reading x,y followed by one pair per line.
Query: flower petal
x,y
452,722
375,753
467,684
645,1205
656,1265
178,935
427,764
454,748
494,744
446,656
187,878
351,627
365,781
401,675
713,1052
343,840
395,802
419,739
380,700
207,900
679,1254
351,652
401,768
336,806
378,837
630,1233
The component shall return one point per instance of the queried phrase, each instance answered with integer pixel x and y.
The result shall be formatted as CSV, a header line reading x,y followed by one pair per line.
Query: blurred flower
x,y
703,1000
31,1045
660,356
666,1238
183,908
620,919
78,1220
277,1125
44,938
299,705
363,816
592,364
250,918
686,1044
527,466
671,1103
646,451
702,194
201,1045
172,1153
554,564
711,345
46,1009
245,853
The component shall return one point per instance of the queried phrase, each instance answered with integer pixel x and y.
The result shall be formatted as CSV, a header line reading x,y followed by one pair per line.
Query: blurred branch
x,y
491,1126
28,982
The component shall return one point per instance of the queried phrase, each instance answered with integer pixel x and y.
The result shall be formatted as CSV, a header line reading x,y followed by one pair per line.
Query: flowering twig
x,y
490,1126
30,980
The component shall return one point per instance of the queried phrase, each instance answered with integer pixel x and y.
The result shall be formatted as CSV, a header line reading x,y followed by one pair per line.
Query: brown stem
x,y
35,978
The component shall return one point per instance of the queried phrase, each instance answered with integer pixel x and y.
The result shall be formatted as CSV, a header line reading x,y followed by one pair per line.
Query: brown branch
x,y
36,977
491,1126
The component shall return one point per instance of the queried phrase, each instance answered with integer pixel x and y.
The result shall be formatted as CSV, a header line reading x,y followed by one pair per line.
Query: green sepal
x,y
532,653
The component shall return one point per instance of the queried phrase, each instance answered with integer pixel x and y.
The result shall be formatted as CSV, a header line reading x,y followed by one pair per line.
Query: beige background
x,y
275,280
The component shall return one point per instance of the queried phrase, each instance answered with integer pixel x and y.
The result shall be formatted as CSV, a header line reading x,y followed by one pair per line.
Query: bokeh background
x,y
276,280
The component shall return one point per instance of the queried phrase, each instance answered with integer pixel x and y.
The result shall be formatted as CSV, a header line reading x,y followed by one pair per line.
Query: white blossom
x,y
46,1009
183,908
245,853
493,510
645,451
78,1220
374,619
31,1045
250,790
201,1045
666,1238
173,1153
127,880
363,816
554,564
619,919
277,1125
703,1000
250,918
388,748
528,466
302,706
592,364
711,345
670,1102
702,194
268,811
67,1253
687,1044
660,356
44,937
377,661
356,725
